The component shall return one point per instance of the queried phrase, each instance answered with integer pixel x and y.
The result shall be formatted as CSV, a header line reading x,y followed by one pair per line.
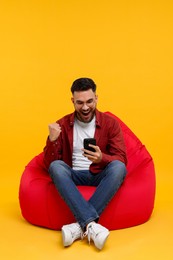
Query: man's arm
x,y
116,146
110,147
53,145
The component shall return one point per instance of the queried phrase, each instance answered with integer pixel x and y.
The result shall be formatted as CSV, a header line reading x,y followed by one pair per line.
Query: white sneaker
x,y
70,233
98,234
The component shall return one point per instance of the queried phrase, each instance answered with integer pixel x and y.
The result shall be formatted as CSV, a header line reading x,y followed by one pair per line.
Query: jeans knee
x,y
118,168
56,163
59,170
54,166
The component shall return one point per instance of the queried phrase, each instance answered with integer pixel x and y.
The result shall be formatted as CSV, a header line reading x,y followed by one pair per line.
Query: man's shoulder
x,y
67,119
105,117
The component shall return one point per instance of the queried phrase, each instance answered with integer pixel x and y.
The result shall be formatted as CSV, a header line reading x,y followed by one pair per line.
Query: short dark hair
x,y
83,84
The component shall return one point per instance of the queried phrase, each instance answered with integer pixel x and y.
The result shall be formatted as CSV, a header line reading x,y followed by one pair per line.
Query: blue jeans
x,y
107,182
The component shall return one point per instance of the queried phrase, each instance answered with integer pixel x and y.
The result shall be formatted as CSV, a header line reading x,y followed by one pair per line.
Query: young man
x,y
70,164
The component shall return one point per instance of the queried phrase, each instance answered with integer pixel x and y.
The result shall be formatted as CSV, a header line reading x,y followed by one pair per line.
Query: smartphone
x,y
88,141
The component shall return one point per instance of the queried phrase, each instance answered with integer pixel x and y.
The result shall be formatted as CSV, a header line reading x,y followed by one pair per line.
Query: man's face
x,y
85,104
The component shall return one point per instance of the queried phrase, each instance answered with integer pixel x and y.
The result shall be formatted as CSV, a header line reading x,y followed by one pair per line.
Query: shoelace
x,y
85,233
89,232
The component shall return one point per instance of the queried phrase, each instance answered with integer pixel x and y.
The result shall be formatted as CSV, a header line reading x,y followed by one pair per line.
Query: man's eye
x,y
89,101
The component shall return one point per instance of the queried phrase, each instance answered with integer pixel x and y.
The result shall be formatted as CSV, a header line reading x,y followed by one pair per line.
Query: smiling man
x,y
70,165
85,104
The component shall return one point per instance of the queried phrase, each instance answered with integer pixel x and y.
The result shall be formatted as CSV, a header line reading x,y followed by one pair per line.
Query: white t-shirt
x,y
81,130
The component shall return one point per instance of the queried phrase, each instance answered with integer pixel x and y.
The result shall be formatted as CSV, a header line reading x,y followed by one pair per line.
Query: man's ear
x,y
72,100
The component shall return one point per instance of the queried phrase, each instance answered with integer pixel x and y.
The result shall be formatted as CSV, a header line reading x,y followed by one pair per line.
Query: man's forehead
x,y
83,95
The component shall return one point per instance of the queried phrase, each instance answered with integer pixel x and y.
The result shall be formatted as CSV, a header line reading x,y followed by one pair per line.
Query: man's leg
x,y
108,182
62,176
66,181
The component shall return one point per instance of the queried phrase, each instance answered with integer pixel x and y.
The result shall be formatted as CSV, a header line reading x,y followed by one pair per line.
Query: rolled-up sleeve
x,y
52,152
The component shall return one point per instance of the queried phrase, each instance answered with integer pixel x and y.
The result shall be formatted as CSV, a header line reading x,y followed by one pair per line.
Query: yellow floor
x,y
21,240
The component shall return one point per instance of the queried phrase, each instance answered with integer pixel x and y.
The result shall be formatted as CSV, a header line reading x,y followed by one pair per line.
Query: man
x,y
70,164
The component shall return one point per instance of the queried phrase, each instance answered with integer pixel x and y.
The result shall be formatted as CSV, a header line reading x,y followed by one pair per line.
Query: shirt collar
x,y
98,118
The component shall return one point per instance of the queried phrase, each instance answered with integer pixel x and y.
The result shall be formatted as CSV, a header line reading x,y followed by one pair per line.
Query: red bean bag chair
x,y
132,205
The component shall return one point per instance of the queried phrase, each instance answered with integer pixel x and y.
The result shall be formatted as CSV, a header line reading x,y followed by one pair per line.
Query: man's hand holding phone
x,y
91,150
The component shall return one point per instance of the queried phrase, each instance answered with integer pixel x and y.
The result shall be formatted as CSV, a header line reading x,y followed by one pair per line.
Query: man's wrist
x,y
52,139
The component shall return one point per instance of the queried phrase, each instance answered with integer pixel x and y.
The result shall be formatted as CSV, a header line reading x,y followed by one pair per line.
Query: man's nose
x,y
85,106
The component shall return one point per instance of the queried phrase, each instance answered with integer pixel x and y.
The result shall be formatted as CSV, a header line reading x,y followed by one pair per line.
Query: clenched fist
x,y
54,131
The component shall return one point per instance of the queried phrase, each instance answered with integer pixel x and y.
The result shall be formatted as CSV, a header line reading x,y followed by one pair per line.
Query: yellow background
x,y
127,48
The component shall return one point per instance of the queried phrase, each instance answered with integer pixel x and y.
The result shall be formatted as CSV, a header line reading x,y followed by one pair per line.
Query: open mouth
x,y
85,116
85,113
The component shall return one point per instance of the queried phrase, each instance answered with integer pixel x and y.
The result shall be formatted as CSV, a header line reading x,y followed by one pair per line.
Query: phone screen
x,y
88,141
